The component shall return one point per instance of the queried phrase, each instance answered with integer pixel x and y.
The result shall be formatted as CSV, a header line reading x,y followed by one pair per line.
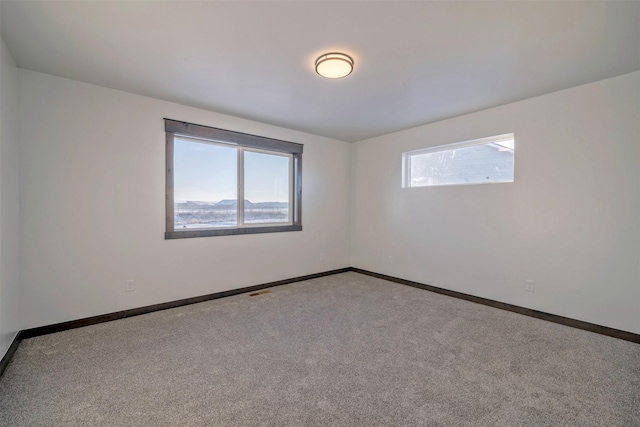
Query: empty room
x,y
319,213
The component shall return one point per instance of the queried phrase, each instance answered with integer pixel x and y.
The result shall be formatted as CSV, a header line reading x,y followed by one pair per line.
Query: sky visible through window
x,y
488,162
266,177
208,173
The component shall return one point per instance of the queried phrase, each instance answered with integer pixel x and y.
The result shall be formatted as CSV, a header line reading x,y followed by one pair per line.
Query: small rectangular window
x,y
480,161
221,182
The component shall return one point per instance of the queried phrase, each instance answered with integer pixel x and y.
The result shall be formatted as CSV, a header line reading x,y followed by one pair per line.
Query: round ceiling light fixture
x,y
334,65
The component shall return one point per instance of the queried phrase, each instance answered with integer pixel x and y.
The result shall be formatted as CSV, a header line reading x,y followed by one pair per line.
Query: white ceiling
x,y
416,62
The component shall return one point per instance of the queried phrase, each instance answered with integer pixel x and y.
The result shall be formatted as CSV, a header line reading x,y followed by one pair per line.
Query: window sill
x,y
186,234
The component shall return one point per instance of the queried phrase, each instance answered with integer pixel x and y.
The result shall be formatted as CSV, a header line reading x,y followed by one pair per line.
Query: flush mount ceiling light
x,y
334,65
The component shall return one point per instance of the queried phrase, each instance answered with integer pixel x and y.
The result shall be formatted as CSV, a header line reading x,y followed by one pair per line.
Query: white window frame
x,y
406,158
244,143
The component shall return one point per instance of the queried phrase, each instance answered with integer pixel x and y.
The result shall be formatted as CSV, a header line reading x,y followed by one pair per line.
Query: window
x,y
221,182
481,161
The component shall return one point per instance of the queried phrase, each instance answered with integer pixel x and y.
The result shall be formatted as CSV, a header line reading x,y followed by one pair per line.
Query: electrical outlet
x,y
322,257
530,286
130,286
390,259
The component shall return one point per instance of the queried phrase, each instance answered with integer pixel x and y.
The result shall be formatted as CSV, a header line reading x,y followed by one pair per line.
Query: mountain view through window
x,y
209,183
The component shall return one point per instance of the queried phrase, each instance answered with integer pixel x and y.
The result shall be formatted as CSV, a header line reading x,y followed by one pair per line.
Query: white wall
x,y
570,221
92,206
9,286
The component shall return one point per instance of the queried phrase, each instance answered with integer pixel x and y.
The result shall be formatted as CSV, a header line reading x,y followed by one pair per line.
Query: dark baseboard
x,y
58,327
9,354
579,324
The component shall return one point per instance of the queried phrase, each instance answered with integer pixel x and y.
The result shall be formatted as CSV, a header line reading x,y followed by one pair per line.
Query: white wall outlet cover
x,y
530,286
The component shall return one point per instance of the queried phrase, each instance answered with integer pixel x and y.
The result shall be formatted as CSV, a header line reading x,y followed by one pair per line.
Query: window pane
x,y
266,188
205,185
474,164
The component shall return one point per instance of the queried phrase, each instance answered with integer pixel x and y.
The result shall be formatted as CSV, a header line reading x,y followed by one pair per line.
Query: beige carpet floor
x,y
343,350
